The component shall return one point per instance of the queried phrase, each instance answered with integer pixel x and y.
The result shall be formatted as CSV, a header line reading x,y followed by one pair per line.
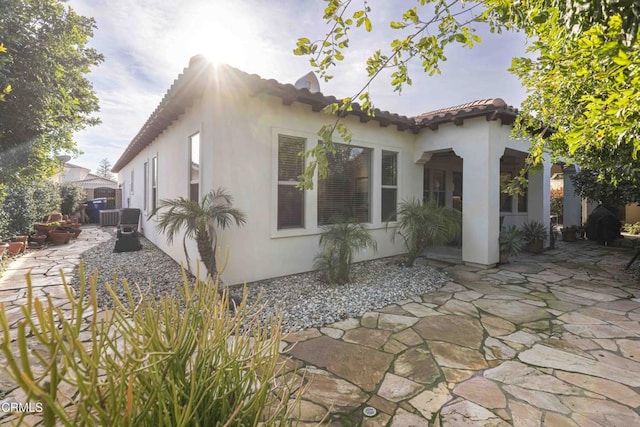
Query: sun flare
x,y
223,34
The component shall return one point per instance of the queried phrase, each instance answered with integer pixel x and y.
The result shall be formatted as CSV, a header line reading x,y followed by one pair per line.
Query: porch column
x,y
539,193
481,201
571,202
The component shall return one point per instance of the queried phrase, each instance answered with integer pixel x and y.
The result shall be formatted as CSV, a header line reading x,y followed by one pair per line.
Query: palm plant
x,y
424,224
199,221
340,242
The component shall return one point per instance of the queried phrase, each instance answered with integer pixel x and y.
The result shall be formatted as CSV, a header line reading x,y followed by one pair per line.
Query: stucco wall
x,y
239,152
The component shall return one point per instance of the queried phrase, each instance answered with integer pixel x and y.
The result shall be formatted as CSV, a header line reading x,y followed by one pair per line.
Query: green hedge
x,y
26,204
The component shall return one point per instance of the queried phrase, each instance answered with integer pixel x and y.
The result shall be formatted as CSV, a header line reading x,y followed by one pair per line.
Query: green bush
x,y
72,195
185,361
632,228
424,224
25,204
339,242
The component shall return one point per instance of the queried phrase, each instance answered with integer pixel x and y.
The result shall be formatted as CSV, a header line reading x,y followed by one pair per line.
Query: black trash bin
x,y
93,209
603,226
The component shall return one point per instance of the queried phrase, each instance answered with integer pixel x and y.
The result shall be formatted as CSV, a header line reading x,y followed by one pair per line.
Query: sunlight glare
x,y
222,33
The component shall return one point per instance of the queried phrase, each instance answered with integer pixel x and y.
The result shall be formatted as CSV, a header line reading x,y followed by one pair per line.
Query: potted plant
x,y
534,234
59,237
511,242
3,247
570,234
15,248
38,239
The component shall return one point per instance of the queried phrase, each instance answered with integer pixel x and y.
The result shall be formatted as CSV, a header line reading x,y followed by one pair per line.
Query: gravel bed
x,y
303,299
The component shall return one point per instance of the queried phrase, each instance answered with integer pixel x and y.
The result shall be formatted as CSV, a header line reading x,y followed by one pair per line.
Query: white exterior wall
x,y
239,137
481,144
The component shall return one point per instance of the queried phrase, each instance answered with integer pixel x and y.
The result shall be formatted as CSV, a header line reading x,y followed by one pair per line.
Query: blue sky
x,y
147,43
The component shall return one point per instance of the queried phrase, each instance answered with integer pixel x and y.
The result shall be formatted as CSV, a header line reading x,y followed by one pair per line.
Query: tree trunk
x,y
207,254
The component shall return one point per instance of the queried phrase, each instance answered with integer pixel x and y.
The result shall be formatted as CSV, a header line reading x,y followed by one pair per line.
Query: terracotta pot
x,y
21,238
15,248
59,237
535,246
76,232
43,228
39,239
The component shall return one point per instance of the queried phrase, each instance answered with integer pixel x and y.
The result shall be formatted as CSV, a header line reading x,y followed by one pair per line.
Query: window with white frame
x,y
389,185
345,193
194,167
290,167
154,183
145,190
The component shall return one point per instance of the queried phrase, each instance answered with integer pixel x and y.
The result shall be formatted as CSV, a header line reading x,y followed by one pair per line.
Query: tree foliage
x,y
339,243
200,221
44,65
25,204
582,72
104,169
595,187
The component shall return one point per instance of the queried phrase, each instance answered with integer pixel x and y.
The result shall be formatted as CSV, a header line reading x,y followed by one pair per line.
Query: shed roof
x,y
190,84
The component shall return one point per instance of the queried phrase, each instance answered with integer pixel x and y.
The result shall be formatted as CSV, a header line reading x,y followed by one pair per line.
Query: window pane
x,y
506,200
290,165
389,168
389,200
194,192
290,207
146,186
194,152
345,193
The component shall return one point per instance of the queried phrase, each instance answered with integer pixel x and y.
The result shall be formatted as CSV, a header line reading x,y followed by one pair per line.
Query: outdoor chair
x,y
127,233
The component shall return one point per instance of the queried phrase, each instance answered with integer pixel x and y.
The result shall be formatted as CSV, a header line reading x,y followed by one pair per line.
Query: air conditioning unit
x,y
109,217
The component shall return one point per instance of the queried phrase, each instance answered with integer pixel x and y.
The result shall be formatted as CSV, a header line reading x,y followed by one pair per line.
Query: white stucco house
x,y
220,127
95,186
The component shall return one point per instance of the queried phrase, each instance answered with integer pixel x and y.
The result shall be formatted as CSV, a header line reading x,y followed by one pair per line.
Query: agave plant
x,y
424,224
511,242
340,242
199,221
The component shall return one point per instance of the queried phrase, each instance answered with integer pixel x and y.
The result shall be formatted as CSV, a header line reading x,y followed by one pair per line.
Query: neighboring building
x,y
220,127
95,186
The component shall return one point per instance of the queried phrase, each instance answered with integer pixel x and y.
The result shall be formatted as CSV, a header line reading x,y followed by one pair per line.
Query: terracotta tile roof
x,y
492,108
199,76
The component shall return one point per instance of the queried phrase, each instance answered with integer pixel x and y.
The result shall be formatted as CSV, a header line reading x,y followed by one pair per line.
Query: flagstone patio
x,y
550,339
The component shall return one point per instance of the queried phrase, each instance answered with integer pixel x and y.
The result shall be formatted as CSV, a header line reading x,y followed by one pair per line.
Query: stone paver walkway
x,y
551,339
547,340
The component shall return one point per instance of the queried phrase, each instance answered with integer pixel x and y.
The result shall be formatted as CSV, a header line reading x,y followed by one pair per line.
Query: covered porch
x,y
468,169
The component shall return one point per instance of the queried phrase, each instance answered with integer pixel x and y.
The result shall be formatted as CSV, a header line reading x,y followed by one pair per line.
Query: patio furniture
x,y
128,237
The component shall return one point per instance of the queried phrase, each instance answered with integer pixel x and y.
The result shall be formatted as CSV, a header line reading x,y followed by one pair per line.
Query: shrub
x,y
185,361
632,228
557,203
424,224
534,230
72,195
25,204
511,240
339,242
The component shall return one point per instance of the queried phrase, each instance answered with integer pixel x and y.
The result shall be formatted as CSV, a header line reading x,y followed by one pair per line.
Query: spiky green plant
x,y
184,361
424,224
339,243
199,221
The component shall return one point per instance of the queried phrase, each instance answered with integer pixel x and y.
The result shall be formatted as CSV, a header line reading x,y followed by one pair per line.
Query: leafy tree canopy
x,y
582,78
44,66
594,186
104,169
